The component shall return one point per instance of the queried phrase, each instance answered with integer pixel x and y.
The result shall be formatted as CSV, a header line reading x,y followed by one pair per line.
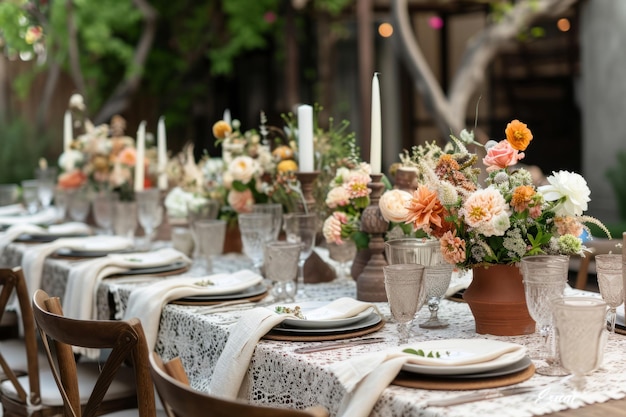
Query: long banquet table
x,y
279,376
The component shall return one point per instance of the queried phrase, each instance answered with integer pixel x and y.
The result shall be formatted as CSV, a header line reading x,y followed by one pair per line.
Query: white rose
x,y
176,202
392,205
571,189
242,168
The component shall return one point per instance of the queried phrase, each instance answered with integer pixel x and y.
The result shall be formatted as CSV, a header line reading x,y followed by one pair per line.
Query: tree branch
x,y
120,99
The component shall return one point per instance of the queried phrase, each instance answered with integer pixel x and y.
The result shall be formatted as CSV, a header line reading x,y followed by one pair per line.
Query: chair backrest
x,y
180,400
12,282
126,340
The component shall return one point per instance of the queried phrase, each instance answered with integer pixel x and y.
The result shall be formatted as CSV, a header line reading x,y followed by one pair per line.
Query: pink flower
x,y
502,155
332,227
357,186
337,197
452,248
487,212
241,201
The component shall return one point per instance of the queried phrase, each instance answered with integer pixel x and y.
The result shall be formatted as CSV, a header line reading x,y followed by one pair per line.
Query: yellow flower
x,y
518,135
288,165
221,129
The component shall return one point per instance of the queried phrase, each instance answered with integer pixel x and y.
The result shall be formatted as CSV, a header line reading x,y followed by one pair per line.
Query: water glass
x,y
46,180
210,234
79,205
103,206
125,220
30,196
403,285
343,254
545,277
425,252
61,203
281,267
200,209
9,194
276,210
609,273
149,212
256,229
580,325
301,228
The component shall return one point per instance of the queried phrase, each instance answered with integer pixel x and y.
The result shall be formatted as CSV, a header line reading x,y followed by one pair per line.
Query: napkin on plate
x,y
367,376
234,361
147,302
15,231
11,210
45,216
83,279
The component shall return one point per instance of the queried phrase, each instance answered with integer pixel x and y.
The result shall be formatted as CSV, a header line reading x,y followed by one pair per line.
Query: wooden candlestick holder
x,y
307,180
370,286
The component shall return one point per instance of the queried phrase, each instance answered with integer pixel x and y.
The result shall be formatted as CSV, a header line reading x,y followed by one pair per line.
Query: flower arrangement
x,y
104,158
499,224
347,197
248,172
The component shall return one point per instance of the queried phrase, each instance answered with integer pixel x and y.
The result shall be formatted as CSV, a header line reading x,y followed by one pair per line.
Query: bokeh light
x,y
435,22
385,30
563,24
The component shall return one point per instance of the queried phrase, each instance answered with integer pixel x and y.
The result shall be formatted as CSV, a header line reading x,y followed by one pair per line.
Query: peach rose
x,y
72,179
501,155
128,156
241,201
393,205
242,168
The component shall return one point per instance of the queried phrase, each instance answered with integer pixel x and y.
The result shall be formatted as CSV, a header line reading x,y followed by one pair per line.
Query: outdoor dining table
x,y
279,376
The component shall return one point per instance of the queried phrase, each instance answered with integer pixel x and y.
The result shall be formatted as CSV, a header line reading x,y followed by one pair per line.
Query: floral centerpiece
x,y
490,229
500,223
104,158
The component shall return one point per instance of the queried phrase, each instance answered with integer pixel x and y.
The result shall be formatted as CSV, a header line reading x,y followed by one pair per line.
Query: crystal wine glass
x,y
403,285
436,282
276,210
149,212
342,253
610,282
301,228
79,205
211,234
281,267
29,195
256,230
580,324
545,277
46,179
103,206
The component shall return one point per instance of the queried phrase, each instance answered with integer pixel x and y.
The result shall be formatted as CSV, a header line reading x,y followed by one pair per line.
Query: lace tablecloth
x,y
279,376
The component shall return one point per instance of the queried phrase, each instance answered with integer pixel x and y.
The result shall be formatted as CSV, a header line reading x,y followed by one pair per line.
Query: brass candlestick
x,y
370,286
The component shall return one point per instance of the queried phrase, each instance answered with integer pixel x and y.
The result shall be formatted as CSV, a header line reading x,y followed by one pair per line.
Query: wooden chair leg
x,y
583,272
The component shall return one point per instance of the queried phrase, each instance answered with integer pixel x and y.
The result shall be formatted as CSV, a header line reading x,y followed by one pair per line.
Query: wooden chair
x,y
596,246
128,346
180,400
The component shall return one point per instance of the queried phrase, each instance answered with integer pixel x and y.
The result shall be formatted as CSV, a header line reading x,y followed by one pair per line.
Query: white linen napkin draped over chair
x,y
16,230
147,302
234,361
367,376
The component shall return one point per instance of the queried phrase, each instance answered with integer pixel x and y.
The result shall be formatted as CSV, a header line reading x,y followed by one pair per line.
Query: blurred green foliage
x,y
617,177
21,149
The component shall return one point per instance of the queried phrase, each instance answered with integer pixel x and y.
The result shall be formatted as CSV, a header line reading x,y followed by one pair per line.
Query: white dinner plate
x,y
465,356
308,310
369,321
100,244
146,259
249,292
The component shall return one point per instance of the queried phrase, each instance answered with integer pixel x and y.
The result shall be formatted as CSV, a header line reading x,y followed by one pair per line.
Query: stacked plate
x,y
96,246
467,359
243,285
317,321
56,231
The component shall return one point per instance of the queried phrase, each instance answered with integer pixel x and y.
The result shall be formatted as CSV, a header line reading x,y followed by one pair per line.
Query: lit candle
x,y
162,154
376,135
226,116
305,138
141,151
67,131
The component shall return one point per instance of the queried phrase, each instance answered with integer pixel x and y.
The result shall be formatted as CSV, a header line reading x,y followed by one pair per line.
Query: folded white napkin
x,y
234,361
11,210
69,228
15,231
45,216
147,302
372,373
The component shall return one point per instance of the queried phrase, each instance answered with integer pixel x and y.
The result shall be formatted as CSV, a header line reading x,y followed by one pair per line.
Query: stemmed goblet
x,y
281,267
610,282
276,210
103,206
580,323
342,253
79,205
46,179
545,277
200,209
301,228
149,212
403,285
436,282
211,234
256,230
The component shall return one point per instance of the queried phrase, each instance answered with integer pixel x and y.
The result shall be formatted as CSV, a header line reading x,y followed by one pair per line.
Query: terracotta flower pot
x,y
498,302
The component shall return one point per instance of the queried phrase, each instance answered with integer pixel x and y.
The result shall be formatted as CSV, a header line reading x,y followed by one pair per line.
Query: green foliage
x,y
21,149
617,177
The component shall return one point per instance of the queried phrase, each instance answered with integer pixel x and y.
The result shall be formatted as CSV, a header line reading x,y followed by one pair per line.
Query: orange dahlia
x,y
518,135
424,209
